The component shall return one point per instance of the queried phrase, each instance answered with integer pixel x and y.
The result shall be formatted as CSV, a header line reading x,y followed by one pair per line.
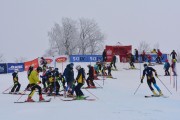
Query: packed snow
x,y
116,100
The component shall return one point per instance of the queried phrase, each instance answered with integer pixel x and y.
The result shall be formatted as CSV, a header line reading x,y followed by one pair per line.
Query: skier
x,y
131,62
61,78
80,79
31,67
113,62
173,66
136,55
43,63
90,78
143,55
148,71
174,54
34,81
166,68
109,71
159,56
69,77
57,79
154,51
17,85
104,56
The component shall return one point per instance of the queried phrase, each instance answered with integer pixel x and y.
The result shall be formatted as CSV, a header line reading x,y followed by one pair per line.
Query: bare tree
x,y
90,37
55,40
63,39
143,46
72,38
70,35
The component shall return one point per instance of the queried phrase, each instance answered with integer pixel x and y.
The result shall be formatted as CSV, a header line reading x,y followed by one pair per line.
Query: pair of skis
x,y
73,99
48,100
150,96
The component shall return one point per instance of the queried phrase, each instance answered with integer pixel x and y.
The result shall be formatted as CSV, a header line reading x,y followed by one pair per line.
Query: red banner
x,y
29,63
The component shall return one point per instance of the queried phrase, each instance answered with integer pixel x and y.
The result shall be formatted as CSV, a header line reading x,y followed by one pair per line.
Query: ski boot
x,y
154,93
160,93
41,98
29,99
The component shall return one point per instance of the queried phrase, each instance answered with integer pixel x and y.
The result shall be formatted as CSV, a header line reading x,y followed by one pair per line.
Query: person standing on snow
x,y
166,68
104,55
131,62
143,55
90,78
136,55
43,63
31,67
80,79
34,81
69,77
113,62
17,85
173,66
159,56
173,54
148,71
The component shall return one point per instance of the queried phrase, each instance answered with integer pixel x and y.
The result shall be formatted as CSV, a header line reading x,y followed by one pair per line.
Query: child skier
x,y
90,78
166,68
131,61
34,81
148,71
17,85
80,79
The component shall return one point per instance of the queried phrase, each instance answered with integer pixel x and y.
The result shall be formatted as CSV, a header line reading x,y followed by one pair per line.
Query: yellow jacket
x,y
34,77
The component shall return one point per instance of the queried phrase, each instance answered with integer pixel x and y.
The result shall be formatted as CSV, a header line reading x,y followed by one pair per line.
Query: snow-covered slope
x,y
116,100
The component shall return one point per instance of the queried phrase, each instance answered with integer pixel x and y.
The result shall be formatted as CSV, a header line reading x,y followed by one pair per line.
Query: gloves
x,y
141,80
156,75
39,82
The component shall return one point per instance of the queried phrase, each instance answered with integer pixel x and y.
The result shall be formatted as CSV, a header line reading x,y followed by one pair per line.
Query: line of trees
x,y
82,36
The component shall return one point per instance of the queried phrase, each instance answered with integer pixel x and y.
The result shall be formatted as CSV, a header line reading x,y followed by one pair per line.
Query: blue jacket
x,y
166,65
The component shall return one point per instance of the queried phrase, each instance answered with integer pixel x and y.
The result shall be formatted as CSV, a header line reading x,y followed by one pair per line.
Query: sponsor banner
x,y
12,66
29,63
85,58
3,68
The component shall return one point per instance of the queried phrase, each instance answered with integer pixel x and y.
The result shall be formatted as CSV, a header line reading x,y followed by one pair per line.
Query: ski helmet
x,y
39,69
78,67
145,65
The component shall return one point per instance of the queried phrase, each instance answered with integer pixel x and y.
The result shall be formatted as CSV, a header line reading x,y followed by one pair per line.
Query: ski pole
x,y
22,94
137,89
7,89
98,84
91,93
164,85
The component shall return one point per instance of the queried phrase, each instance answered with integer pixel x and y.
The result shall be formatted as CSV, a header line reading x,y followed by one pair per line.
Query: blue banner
x,y
3,68
12,66
85,58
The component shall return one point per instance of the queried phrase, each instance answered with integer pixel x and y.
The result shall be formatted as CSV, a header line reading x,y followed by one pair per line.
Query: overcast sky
x,y
24,23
